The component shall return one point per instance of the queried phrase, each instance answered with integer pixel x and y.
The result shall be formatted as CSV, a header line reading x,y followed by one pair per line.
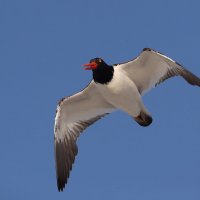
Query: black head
x,y
94,64
102,73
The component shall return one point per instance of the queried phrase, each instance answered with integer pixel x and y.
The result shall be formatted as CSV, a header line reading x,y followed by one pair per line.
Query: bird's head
x,y
94,64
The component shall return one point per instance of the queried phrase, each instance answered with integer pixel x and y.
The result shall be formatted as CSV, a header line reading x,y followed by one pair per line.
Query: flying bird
x,y
119,86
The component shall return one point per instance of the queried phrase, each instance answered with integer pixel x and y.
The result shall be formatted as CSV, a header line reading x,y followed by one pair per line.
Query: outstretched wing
x,y
151,68
73,115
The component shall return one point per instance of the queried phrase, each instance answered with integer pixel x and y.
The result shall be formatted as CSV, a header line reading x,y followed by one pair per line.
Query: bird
x,y
113,87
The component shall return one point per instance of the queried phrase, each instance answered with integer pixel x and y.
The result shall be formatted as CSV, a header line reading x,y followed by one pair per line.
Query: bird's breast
x,y
120,91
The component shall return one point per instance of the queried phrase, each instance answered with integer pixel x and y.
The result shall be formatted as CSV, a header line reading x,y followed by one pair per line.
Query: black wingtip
x,y
60,186
60,189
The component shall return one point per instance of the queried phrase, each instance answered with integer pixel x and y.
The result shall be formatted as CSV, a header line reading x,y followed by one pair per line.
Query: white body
x,y
122,93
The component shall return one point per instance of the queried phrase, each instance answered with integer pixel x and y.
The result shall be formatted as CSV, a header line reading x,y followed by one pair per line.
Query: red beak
x,y
90,66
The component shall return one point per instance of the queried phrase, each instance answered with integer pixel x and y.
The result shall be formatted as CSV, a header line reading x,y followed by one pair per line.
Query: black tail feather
x,y
143,119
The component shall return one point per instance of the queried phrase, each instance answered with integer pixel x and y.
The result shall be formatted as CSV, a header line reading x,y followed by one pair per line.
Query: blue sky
x,y
43,45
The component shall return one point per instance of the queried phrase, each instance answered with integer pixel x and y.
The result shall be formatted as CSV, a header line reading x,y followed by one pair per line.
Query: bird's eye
x,y
100,60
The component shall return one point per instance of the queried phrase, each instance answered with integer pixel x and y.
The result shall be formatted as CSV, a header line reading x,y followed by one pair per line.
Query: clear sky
x,y
43,44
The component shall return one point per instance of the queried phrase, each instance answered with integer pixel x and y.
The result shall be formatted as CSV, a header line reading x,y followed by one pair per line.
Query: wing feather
x,y
74,114
151,68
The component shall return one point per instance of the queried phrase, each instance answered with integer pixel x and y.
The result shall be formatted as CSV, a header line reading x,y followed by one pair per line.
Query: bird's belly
x,y
122,93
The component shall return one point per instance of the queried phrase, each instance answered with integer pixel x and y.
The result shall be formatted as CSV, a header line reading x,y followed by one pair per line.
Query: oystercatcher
x,y
118,86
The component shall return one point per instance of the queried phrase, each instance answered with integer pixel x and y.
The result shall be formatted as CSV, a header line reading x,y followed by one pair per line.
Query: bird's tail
x,y
143,119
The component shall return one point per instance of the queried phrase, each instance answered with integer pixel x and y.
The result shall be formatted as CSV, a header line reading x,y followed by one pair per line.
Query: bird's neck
x,y
103,75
